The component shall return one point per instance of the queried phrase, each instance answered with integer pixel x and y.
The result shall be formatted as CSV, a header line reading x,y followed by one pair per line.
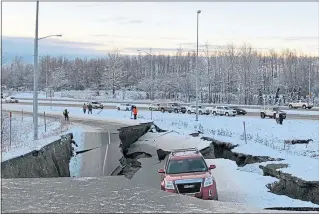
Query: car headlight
x,y
169,185
208,181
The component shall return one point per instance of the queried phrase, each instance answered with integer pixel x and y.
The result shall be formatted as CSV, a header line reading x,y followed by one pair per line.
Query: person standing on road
x,y
135,112
84,108
90,108
66,115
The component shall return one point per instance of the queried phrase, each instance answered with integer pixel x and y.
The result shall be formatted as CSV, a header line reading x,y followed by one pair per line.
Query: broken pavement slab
x,y
290,185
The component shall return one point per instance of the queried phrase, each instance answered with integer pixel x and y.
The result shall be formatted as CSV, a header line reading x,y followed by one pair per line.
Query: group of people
x,y
87,107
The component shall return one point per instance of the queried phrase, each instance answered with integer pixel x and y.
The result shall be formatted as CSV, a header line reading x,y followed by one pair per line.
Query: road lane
x,y
148,102
100,161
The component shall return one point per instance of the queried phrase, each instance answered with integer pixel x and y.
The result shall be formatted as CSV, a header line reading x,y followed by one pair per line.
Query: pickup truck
x,y
272,112
300,104
172,107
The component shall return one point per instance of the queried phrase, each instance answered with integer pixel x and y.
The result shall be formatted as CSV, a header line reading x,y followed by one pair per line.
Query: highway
x,y
251,114
81,101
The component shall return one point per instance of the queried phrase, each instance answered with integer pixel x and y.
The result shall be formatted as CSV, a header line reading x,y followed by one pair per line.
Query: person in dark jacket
x,y
66,115
90,108
280,118
84,108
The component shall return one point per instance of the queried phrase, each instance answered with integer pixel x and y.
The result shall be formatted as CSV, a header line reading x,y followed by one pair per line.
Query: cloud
x,y
290,38
24,46
122,20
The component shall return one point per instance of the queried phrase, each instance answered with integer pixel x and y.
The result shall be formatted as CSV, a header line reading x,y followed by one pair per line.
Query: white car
x,y
224,110
201,110
96,105
154,107
300,104
124,107
11,100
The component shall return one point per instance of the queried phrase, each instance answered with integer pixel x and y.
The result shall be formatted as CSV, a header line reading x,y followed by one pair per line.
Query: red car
x,y
186,172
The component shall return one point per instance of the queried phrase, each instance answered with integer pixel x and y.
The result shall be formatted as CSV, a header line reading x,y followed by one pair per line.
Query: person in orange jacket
x,y
135,112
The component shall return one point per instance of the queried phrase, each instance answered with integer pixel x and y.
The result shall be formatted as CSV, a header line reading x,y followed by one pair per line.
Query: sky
x,y
95,28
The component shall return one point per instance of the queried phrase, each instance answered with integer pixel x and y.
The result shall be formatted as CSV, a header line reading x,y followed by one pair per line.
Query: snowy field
x,y
22,134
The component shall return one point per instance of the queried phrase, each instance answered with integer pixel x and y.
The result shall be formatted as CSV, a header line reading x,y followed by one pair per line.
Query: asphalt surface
x,y
103,160
250,114
102,195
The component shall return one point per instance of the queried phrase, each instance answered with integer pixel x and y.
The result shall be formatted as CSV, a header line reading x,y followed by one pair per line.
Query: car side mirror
x,y
161,171
212,166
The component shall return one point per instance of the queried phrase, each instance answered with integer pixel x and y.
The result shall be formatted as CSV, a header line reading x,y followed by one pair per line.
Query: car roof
x,y
180,155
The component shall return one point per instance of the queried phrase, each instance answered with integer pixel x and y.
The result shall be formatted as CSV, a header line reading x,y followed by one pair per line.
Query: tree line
x,y
240,75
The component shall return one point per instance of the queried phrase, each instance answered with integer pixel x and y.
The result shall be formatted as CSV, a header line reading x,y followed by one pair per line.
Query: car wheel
x,y
274,116
118,108
189,112
309,107
214,113
262,115
169,111
227,114
290,106
162,110
216,197
304,106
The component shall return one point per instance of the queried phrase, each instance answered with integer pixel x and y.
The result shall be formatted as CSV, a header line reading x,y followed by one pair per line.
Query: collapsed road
x,y
93,161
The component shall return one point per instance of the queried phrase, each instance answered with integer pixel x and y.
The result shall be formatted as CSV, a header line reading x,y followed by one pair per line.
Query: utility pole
x,y
35,77
152,97
198,12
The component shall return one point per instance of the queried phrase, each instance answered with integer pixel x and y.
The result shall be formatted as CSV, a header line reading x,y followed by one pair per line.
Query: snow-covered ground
x,y
22,134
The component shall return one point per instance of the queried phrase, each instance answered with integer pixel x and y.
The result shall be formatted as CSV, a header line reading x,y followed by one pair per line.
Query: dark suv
x,y
186,172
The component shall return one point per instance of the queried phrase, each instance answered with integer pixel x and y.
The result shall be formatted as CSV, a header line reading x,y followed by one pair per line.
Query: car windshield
x,y
186,166
276,109
227,108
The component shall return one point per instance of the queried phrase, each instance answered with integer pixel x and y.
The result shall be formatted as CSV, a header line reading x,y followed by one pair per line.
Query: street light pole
x,y
198,12
35,73
35,77
151,73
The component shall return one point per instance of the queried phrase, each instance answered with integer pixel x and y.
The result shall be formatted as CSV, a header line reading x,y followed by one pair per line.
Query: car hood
x,y
184,176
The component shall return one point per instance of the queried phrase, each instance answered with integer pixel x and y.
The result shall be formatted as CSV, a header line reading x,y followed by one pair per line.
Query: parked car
x,y
166,107
124,107
178,108
239,111
224,110
11,100
272,112
201,110
154,107
301,104
186,172
97,105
